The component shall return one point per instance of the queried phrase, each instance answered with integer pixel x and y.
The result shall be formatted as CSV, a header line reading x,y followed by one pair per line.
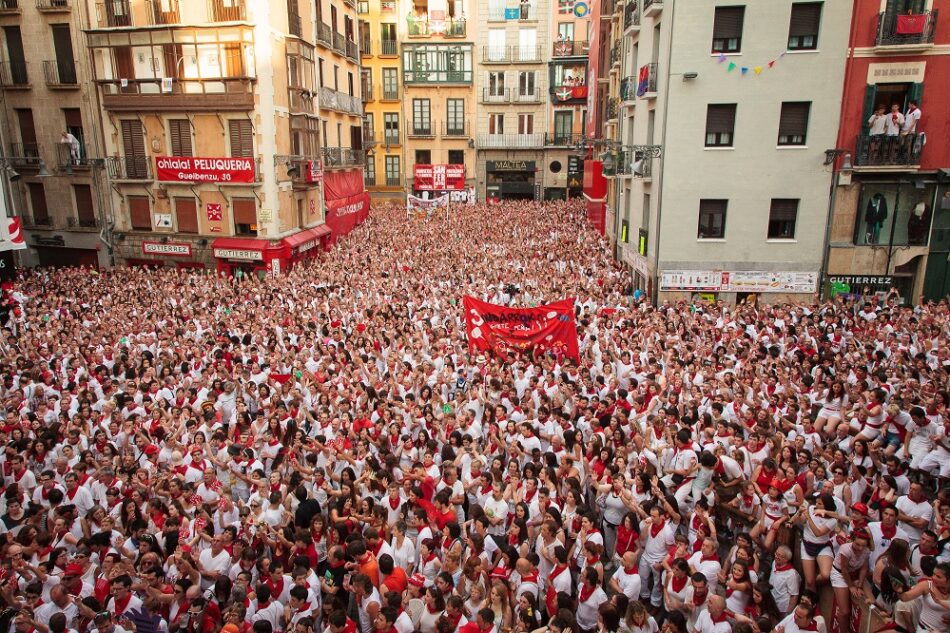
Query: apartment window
x,y
803,26
727,30
496,123
179,132
85,211
392,171
565,31
391,127
390,83
349,84
720,124
456,157
526,83
65,62
370,174
15,54
38,203
369,125
242,138
782,216
421,116
140,213
525,124
712,219
186,212
455,109
497,48
793,125
423,157
244,211
496,84
563,126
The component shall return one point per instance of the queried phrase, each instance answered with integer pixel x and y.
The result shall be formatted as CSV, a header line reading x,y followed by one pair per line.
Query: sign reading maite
x,y
174,249
439,177
236,253
194,169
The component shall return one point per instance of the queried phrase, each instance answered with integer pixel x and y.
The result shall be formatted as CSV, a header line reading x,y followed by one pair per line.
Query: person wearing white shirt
x,y
590,597
626,580
784,580
914,512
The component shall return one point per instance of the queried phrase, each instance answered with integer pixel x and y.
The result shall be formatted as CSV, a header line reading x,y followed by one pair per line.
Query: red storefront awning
x,y
306,236
241,243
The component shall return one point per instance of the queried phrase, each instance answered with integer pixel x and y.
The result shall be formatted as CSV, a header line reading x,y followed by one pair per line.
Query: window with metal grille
x,y
712,219
392,171
727,29
179,131
370,174
720,124
455,109
793,124
390,83
241,133
782,217
803,26
391,127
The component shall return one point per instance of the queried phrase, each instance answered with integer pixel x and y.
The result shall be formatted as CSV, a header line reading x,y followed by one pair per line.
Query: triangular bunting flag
x,y
722,58
758,70
732,66
744,70
771,63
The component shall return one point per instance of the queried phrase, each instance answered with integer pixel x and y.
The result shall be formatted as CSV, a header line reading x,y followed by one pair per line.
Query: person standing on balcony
x,y
909,128
73,143
525,6
892,129
876,127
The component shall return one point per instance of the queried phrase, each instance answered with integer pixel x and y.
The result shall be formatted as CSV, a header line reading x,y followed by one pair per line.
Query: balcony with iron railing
x,y
906,31
369,136
9,6
165,12
339,101
60,74
54,6
652,8
511,54
393,181
633,163
133,95
389,93
571,48
510,141
562,139
366,47
889,153
451,27
423,129
456,129
511,95
350,3
369,179
24,155
352,50
628,90
294,24
129,167
34,222
68,157
612,111
391,138
631,16
14,75
324,34
342,157
82,223
366,91
388,48
615,52
339,43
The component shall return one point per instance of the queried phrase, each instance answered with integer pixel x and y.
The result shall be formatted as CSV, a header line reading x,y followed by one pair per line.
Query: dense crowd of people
x,y
321,452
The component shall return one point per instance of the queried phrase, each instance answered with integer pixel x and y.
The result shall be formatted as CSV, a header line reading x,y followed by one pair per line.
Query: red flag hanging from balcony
x,y
500,329
911,24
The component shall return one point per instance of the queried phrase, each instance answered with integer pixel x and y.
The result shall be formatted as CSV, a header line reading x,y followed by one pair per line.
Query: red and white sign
x,y
196,169
499,329
314,170
313,206
172,249
439,177
214,212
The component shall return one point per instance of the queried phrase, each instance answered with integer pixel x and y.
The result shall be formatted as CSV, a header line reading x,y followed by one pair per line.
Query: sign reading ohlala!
x,y
196,169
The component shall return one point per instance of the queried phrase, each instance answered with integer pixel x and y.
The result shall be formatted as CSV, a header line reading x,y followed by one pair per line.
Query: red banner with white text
x,y
499,329
439,177
347,205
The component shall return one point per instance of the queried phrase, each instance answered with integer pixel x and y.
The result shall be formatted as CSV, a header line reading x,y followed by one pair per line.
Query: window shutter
x,y
721,118
180,133
133,138
915,94
870,94
728,22
140,213
794,119
84,209
806,17
244,211
38,202
783,209
186,211
73,117
242,138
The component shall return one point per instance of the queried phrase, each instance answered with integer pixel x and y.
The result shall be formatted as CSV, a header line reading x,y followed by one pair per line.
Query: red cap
x,y
860,508
417,580
151,450
72,569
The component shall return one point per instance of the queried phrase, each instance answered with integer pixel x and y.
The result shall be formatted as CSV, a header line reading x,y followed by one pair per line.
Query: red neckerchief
x,y
784,567
532,577
811,626
888,532
703,558
717,619
656,528
121,606
678,583
431,610
276,586
699,597
17,477
586,592
72,493
528,497
394,503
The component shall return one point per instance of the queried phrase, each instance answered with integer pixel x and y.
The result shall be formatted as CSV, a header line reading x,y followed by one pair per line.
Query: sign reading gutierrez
x,y
195,169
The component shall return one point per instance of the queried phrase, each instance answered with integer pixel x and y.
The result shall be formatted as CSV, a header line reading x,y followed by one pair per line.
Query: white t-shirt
x,y
629,583
923,510
209,562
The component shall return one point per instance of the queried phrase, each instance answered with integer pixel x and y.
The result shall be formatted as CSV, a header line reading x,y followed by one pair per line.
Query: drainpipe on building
x,y
826,250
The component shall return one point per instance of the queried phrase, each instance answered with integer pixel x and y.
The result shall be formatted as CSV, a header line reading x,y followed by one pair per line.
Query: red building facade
x,y
889,196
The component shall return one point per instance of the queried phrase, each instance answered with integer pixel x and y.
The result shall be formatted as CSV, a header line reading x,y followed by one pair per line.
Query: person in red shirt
x,y
394,578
